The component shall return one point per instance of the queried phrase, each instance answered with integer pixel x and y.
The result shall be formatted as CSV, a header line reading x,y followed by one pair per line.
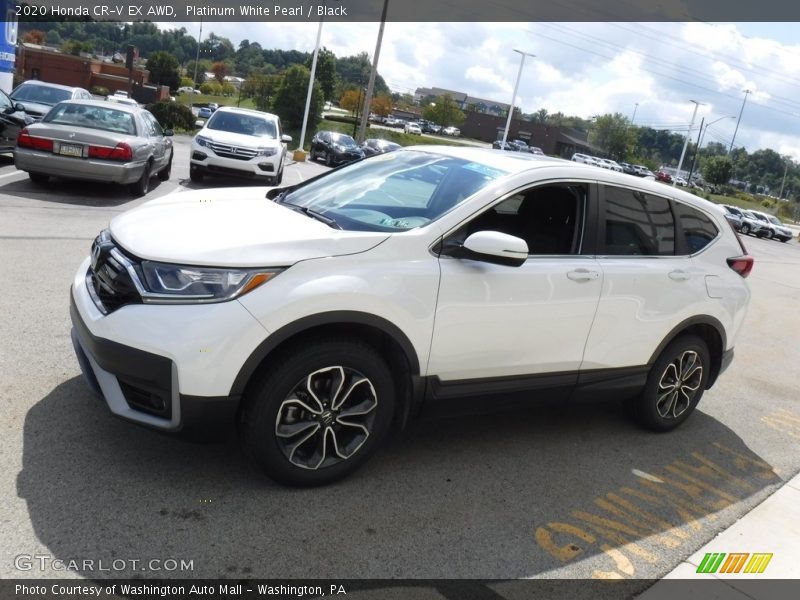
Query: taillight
x,y
26,140
121,152
741,264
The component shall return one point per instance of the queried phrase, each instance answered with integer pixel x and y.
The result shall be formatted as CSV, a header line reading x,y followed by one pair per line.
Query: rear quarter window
x,y
696,229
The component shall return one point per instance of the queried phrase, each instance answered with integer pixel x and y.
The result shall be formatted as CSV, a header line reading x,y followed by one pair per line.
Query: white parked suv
x,y
321,316
239,142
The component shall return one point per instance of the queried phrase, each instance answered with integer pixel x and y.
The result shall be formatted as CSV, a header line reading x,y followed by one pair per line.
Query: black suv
x,y
335,148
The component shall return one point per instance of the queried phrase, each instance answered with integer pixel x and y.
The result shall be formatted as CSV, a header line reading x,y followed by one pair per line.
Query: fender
x,y
338,317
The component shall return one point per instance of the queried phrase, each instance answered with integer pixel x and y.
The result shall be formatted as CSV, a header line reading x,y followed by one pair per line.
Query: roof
x,y
245,111
105,104
58,86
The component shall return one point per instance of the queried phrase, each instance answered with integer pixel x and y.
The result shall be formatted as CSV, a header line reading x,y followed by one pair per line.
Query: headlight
x,y
167,283
202,141
267,151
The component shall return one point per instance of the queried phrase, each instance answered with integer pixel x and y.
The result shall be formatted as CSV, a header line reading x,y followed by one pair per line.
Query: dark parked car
x,y
628,168
38,97
498,145
520,145
12,120
374,146
335,148
734,216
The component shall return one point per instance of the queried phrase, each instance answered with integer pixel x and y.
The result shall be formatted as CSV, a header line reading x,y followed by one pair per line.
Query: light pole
x,y
686,143
739,120
700,143
785,171
635,107
197,56
514,96
299,152
362,129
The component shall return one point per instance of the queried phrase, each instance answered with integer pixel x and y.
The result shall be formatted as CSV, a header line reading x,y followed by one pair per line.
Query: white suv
x,y
318,317
239,142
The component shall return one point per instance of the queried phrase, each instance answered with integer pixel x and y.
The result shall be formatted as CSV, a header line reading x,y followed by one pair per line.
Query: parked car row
x,y
516,146
604,163
753,222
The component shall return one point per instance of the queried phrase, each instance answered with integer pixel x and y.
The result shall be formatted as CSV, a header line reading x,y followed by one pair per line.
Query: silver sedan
x,y
96,141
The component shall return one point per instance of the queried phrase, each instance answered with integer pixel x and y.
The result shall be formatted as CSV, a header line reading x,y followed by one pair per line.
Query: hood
x,y
234,227
238,139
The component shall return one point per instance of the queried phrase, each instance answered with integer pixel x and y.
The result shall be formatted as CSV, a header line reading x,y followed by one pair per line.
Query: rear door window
x,y
696,229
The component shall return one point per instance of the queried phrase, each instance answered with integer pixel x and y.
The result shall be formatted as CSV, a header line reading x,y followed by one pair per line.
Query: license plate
x,y
71,150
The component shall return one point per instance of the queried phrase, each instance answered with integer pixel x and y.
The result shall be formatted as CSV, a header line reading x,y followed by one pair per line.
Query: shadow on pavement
x,y
498,496
69,191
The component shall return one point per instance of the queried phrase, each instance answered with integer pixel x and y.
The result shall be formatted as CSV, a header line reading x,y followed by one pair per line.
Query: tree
x,y
613,134
444,112
220,70
53,38
351,100
717,170
211,88
290,100
34,36
381,105
187,82
163,69
326,72
261,88
540,116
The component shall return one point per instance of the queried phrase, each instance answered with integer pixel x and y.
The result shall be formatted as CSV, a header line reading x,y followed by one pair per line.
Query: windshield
x,y
92,117
397,191
243,124
344,140
775,221
41,94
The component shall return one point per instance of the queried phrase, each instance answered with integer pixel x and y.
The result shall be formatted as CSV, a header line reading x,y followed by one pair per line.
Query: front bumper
x,y
205,160
85,169
169,367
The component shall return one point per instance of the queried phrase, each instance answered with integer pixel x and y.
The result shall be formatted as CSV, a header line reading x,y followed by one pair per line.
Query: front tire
x,y
745,229
318,413
328,159
195,174
674,386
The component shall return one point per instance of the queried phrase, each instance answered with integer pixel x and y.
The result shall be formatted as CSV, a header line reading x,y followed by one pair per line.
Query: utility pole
x,y
635,107
362,129
686,143
785,171
299,152
514,95
197,56
739,120
696,151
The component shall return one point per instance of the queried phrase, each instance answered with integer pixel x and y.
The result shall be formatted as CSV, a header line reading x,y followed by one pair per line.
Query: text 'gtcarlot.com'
x,y
44,562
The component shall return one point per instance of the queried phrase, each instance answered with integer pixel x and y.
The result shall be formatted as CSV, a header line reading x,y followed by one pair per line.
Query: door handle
x,y
582,275
679,275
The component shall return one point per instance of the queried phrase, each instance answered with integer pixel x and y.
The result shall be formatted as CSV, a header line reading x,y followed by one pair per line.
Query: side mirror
x,y
199,124
169,132
19,107
494,247
286,138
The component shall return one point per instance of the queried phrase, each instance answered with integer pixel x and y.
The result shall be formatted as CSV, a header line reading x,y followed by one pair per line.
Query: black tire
x,y
328,159
768,234
142,186
195,175
660,410
745,229
38,178
272,403
163,174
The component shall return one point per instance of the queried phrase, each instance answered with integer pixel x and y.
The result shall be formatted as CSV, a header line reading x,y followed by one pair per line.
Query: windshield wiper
x,y
313,214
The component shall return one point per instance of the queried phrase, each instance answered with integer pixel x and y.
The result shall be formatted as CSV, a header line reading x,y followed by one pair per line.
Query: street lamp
x,y
700,143
686,143
514,96
635,107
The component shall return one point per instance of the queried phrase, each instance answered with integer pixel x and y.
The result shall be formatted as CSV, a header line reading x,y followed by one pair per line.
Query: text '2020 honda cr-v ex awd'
x,y
322,315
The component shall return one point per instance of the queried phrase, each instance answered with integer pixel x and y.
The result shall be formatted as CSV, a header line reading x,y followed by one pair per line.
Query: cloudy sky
x,y
587,69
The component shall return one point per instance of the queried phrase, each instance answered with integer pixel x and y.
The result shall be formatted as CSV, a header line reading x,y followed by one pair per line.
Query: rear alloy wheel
x,y
319,413
674,386
745,229
768,234
38,178
142,186
163,174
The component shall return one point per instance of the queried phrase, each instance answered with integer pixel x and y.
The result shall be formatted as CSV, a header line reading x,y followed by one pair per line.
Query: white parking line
x,y
12,173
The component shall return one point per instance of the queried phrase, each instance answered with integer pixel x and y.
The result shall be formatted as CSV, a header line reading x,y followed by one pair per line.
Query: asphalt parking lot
x,y
554,491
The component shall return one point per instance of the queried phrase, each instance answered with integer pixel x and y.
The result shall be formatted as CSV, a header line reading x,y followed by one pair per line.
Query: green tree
x,y
717,170
290,100
261,88
164,69
326,72
613,134
187,82
444,111
211,88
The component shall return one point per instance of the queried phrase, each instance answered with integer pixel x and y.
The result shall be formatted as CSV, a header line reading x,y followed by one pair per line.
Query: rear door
x,y
650,282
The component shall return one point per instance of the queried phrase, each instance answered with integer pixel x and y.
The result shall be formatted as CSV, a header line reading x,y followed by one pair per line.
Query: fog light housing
x,y
266,167
199,155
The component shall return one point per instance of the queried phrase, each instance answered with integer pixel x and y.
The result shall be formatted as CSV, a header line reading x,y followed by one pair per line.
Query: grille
x,y
110,280
235,152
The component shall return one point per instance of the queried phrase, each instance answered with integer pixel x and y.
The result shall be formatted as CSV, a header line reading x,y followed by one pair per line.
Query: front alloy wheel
x,y
674,386
318,412
326,418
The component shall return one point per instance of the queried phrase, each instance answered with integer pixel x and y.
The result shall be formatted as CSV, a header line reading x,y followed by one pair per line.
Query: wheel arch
x,y
383,335
710,329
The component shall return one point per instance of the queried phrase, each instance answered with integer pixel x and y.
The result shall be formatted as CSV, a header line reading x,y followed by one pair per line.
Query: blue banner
x,y
8,39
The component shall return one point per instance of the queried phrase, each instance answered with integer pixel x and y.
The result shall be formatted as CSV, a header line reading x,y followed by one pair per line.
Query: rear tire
x,y
745,229
318,412
142,186
674,386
